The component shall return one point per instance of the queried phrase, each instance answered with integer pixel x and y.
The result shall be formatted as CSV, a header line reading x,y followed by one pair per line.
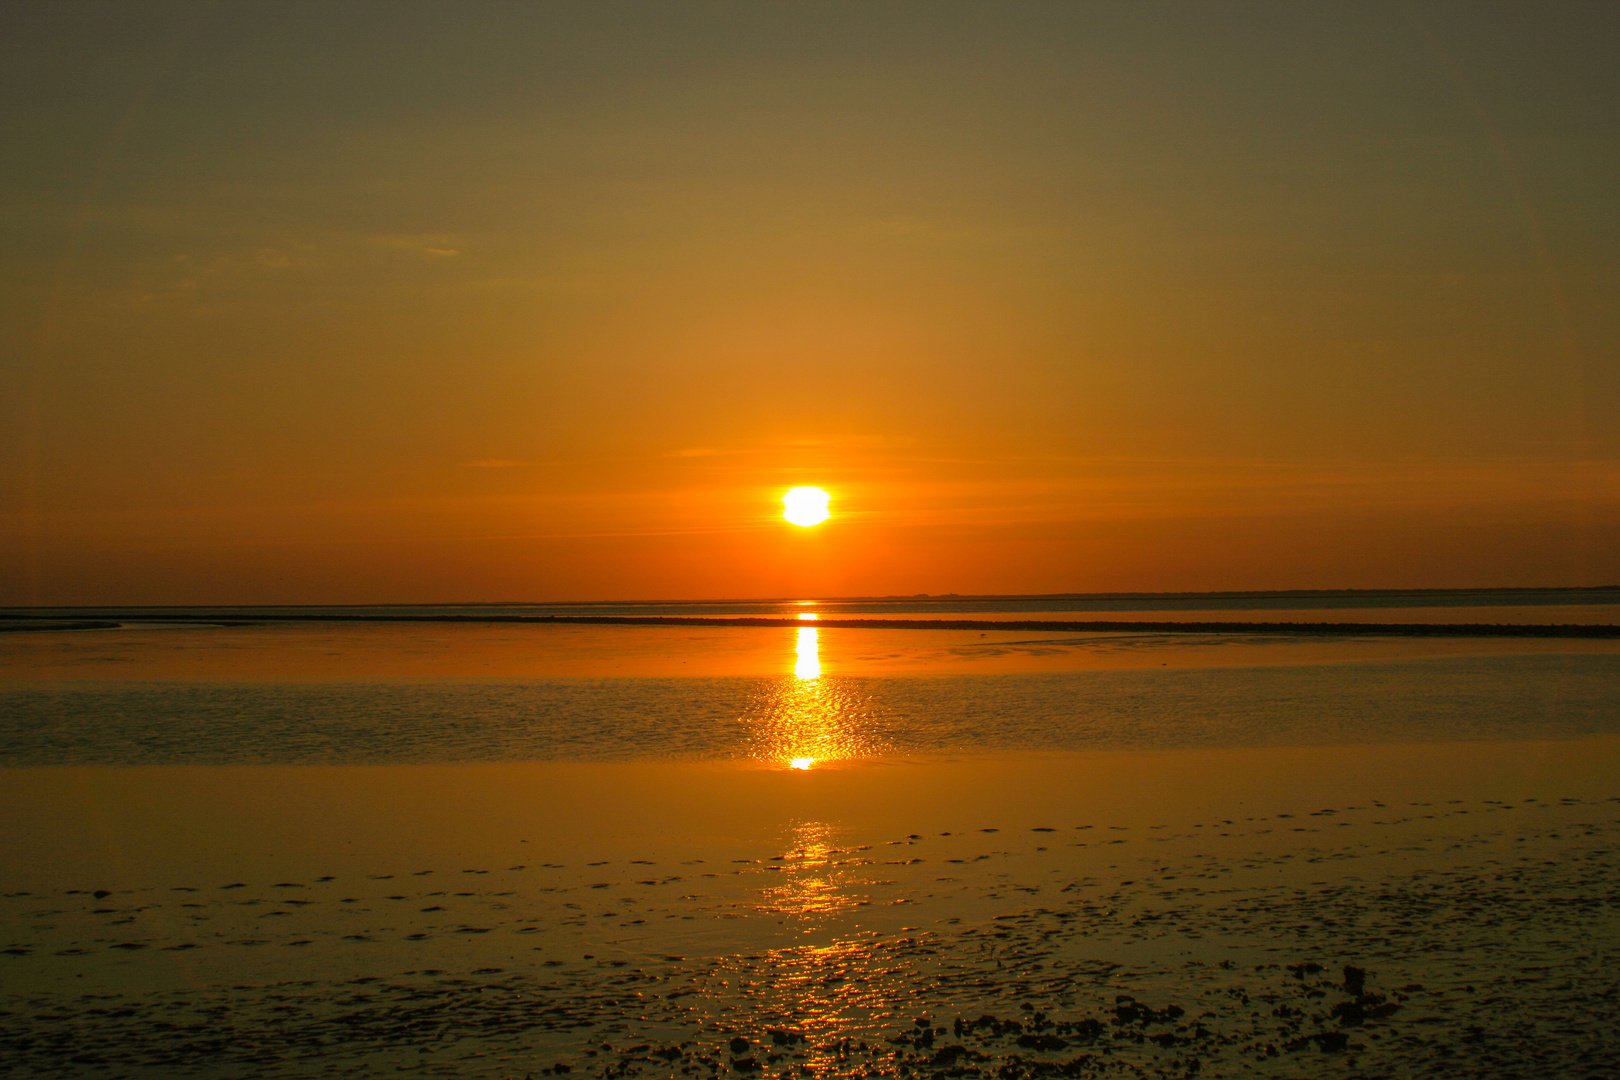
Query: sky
x,y
362,302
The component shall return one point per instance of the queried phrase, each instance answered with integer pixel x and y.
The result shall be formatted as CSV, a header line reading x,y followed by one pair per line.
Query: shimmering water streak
x,y
778,720
807,659
808,720
810,888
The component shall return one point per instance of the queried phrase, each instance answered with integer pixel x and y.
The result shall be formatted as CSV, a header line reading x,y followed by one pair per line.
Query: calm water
x,y
827,830
779,720
314,693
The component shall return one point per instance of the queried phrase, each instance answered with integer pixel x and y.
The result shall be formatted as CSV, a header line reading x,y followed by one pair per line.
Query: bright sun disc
x,y
805,506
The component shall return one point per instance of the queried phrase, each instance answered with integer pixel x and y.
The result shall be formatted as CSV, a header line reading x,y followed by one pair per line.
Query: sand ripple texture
x,y
1462,941
442,721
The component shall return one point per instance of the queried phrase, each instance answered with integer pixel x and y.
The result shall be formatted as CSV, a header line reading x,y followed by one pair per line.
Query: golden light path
x,y
806,506
810,887
808,719
806,666
807,653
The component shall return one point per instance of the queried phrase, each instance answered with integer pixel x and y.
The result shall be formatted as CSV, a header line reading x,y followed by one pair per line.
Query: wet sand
x,y
1291,907
1444,910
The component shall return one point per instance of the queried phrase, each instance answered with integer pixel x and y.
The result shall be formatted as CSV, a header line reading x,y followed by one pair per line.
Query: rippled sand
x,y
1441,910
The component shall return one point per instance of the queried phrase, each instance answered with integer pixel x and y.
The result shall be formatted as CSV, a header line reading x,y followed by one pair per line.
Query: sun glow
x,y
807,662
805,506
809,721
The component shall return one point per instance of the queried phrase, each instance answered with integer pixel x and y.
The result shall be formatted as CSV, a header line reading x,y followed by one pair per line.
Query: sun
x,y
805,506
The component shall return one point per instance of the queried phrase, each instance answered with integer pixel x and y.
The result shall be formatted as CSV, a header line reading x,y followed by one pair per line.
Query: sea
x,y
300,842
285,686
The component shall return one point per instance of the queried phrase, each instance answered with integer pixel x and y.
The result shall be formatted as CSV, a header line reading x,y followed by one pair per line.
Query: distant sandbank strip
x,y
1313,629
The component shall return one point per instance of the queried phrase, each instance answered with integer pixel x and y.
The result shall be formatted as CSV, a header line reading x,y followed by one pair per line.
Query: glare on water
x,y
807,719
807,660
810,886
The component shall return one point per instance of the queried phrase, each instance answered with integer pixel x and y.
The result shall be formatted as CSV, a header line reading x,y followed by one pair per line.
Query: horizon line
x,y
1132,595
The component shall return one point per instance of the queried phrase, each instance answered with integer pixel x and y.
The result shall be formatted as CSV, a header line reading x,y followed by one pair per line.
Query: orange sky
x,y
368,302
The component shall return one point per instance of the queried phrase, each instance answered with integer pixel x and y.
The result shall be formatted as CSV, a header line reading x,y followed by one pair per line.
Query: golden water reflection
x,y
808,887
806,719
807,655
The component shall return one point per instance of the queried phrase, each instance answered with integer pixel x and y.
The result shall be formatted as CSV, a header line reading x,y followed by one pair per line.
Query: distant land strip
x,y
61,624
1516,630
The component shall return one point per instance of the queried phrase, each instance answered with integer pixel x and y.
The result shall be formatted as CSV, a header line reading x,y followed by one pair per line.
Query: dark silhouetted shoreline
x,y
1314,629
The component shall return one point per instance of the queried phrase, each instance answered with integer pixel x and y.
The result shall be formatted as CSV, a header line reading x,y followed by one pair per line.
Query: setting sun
x,y
414,384
805,506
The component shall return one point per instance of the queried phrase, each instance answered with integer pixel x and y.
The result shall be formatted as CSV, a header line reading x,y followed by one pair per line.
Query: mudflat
x,y
1438,909
307,850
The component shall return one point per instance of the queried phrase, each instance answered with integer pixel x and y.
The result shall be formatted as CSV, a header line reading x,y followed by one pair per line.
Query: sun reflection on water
x,y
808,889
807,720
807,656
